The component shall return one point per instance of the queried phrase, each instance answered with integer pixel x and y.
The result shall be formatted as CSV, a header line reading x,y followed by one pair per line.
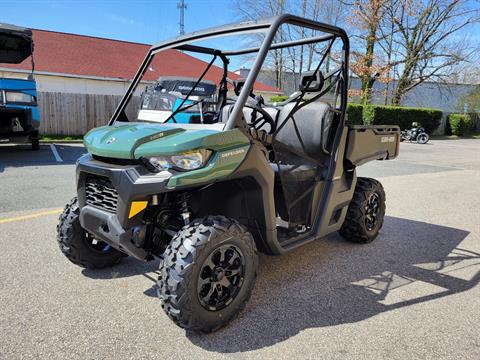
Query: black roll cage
x,y
270,26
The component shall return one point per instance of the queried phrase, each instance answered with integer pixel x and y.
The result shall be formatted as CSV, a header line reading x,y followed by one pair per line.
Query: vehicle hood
x,y
16,44
133,141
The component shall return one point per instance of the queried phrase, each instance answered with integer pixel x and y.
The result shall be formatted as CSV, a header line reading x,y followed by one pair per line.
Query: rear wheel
x,y
422,138
80,247
365,213
208,273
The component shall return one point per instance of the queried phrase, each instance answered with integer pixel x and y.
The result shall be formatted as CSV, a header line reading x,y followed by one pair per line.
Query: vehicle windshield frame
x,y
270,26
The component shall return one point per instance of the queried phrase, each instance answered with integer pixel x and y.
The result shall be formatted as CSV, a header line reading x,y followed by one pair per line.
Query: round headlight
x,y
184,161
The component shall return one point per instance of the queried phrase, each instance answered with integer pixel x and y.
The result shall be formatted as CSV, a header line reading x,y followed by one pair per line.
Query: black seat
x,y
312,122
306,128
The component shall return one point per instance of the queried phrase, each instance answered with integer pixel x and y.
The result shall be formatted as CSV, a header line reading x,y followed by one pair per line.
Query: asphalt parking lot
x,y
411,294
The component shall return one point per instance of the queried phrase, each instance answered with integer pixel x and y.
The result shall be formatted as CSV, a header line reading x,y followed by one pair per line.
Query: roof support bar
x,y
198,49
311,40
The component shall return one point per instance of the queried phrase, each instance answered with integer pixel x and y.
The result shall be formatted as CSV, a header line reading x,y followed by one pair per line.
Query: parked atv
x,y
205,197
416,133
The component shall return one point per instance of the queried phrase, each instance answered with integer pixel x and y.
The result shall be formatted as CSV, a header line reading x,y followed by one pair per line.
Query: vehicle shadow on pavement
x,y
128,267
331,282
21,155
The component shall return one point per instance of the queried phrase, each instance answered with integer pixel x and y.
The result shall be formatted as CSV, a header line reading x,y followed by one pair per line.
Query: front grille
x,y
99,192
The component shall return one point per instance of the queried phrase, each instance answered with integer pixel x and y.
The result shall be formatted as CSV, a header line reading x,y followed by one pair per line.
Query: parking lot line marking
x,y
31,216
55,153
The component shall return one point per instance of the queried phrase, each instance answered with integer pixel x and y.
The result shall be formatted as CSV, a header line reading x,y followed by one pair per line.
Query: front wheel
x,y
365,213
35,144
80,247
208,273
422,138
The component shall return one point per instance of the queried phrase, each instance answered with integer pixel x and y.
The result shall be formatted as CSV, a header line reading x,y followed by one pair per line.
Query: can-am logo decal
x,y
386,139
234,152
111,140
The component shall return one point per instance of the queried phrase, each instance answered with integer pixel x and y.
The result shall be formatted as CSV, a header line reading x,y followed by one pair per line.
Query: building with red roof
x,y
71,63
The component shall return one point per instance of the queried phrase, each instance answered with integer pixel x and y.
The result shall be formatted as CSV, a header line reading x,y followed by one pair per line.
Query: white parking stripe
x,y
55,153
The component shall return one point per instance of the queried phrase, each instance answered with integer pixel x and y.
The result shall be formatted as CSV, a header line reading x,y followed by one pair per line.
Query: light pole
x,y
182,6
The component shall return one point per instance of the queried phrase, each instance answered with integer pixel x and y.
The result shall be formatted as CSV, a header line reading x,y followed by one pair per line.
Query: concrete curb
x,y
61,141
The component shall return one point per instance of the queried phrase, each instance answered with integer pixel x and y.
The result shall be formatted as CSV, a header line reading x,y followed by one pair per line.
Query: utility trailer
x,y
205,198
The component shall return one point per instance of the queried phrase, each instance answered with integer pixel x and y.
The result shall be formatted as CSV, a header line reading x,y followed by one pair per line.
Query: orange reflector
x,y
136,207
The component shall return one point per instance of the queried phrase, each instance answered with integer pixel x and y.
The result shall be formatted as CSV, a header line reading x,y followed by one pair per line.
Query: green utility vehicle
x,y
206,197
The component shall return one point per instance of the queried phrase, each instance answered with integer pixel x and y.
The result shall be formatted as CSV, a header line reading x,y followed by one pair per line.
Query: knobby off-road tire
x,y
78,246
359,226
181,287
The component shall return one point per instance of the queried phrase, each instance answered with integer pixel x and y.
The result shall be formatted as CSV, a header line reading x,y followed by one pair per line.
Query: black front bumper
x,y
132,183
19,136
30,128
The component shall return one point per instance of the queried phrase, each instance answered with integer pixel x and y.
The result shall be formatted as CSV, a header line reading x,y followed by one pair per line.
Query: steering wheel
x,y
256,122
259,121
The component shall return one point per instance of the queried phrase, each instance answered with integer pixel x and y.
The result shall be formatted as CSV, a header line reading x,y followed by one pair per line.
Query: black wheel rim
x,y
221,277
371,211
97,245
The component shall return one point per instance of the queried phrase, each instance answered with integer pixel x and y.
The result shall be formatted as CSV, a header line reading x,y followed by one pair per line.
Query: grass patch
x,y
61,137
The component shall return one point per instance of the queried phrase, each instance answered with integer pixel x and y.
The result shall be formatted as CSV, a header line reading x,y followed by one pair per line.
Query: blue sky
x,y
145,21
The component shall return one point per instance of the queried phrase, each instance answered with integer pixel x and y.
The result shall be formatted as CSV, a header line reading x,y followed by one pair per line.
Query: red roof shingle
x,y
81,55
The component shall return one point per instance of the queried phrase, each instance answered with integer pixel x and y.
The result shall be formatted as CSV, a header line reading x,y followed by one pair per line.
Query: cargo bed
x,y
372,142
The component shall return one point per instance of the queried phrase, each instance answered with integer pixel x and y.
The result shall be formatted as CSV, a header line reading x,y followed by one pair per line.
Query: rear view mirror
x,y
311,81
238,85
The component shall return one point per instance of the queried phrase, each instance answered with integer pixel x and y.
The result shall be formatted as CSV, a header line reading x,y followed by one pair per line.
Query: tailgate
x,y
372,142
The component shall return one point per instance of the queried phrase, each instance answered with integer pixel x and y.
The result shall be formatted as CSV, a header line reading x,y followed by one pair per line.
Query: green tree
x,y
429,49
470,103
367,17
